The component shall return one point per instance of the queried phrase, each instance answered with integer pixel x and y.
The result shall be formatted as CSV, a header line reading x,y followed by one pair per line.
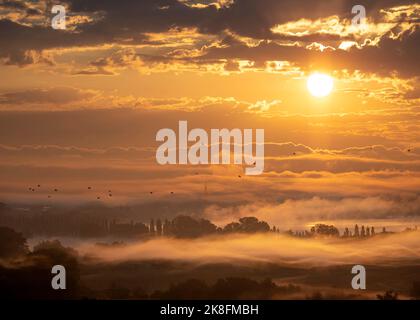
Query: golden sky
x,y
82,106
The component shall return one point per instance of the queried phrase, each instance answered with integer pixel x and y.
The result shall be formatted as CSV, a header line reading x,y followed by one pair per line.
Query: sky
x,y
81,107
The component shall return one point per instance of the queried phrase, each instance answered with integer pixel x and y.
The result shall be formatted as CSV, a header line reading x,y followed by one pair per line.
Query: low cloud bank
x,y
283,250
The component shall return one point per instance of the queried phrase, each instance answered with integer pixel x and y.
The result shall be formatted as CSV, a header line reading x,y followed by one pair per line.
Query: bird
x,y
409,150
55,190
110,195
172,192
39,186
151,192
294,153
239,176
89,188
98,198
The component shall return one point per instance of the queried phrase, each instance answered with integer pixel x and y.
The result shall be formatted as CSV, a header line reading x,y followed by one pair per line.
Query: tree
x,y
50,253
53,245
158,227
356,230
328,230
30,277
188,227
346,232
232,227
12,243
247,225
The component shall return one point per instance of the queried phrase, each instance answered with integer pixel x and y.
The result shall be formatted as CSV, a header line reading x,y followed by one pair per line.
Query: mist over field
x,y
395,249
269,266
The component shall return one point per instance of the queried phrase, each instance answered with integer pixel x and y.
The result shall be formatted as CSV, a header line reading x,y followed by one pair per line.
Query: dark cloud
x,y
253,18
13,4
17,40
58,95
128,22
390,55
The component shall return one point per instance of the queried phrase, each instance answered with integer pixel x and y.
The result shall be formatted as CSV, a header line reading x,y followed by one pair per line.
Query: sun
x,y
320,85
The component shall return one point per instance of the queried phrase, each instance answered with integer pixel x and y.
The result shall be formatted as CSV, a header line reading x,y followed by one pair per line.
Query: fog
x,y
387,249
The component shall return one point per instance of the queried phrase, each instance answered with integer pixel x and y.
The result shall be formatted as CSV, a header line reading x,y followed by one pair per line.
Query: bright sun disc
x,y
320,85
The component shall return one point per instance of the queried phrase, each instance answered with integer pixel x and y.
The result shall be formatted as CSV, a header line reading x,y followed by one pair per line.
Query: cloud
x,y
329,156
52,96
389,46
299,213
388,56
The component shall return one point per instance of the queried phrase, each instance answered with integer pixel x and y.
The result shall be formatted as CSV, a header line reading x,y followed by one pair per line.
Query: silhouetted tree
x,y
188,227
346,232
159,227
12,243
30,278
54,253
247,225
356,231
232,227
328,230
